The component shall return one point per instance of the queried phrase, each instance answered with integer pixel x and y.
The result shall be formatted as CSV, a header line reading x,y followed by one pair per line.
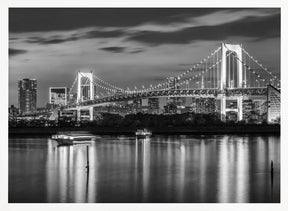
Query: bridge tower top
x,y
85,88
237,49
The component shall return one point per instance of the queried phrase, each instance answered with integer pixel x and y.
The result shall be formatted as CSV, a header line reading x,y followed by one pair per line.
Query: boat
x,y
143,134
70,139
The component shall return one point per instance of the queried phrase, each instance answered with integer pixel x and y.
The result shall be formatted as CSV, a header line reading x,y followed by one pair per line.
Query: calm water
x,y
165,169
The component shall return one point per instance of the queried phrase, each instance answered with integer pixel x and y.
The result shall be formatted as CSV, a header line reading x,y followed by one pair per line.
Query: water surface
x,y
220,168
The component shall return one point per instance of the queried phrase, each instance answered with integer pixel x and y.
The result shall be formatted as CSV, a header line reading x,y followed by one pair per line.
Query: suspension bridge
x,y
228,73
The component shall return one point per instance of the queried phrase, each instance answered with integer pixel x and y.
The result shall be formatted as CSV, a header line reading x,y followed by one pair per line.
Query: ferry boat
x,y
143,133
70,139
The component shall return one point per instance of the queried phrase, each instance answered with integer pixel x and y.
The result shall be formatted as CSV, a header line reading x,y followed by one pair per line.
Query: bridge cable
x,y
249,68
181,75
261,66
107,83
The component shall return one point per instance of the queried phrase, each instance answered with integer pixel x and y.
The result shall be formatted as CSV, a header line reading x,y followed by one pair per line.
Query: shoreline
x,y
196,129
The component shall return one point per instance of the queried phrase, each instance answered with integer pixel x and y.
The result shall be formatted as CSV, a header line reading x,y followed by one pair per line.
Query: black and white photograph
x,y
144,105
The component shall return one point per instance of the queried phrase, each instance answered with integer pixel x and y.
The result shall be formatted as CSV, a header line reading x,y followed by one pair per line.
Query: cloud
x,y
104,34
61,37
137,50
59,19
51,40
14,52
254,27
116,49
113,49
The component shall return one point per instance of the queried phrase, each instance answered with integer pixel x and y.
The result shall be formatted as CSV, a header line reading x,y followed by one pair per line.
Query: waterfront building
x,y
254,111
205,105
170,108
181,109
248,109
58,96
153,105
13,111
137,105
27,95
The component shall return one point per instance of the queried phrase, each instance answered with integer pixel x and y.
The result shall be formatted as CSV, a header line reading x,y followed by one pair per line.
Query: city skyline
x,y
126,47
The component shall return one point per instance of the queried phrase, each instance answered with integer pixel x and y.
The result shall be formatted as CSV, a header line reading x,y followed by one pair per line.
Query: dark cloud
x,y
51,19
114,49
13,38
104,34
14,52
254,27
55,39
138,50
51,40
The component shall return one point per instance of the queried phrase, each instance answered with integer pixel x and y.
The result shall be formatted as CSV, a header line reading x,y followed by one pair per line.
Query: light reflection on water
x,y
162,169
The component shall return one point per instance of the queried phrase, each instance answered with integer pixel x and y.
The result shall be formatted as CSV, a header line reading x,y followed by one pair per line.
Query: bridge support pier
x,y
91,113
223,107
90,116
240,108
78,114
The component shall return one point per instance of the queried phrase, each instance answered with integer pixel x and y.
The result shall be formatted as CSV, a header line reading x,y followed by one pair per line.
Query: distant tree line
x,y
138,120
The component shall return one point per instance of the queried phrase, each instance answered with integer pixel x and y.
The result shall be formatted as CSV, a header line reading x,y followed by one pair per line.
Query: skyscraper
x,y
27,95
173,102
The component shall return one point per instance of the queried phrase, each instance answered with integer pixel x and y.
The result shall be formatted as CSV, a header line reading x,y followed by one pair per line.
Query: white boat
x,y
70,139
143,133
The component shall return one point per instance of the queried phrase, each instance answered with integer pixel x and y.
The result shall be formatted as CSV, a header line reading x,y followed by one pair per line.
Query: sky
x,y
130,47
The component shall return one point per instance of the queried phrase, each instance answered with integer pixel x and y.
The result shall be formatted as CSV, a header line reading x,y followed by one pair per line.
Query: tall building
x,y
173,102
58,96
153,105
27,95
137,105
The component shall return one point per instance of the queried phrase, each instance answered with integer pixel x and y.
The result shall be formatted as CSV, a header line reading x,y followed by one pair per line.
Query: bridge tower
x,y
85,91
85,88
225,81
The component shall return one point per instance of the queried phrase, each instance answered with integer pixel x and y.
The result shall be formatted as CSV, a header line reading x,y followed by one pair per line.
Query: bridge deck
x,y
174,93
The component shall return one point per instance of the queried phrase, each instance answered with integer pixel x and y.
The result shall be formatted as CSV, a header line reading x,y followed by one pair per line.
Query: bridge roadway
x,y
205,93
